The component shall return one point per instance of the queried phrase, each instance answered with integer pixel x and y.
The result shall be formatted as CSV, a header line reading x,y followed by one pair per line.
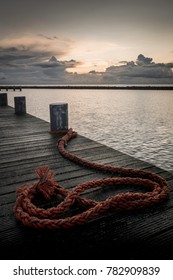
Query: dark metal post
x,y
3,99
59,117
20,105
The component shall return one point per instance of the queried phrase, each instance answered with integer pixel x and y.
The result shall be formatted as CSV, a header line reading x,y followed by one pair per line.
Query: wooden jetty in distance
x,y
26,144
13,88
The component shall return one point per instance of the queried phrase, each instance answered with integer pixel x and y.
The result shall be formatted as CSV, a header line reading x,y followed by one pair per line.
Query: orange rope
x,y
33,216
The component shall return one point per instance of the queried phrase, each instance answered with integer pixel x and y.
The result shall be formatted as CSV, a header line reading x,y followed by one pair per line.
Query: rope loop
x,y
157,191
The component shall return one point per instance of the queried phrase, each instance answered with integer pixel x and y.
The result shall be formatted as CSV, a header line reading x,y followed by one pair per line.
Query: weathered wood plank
x,y
25,143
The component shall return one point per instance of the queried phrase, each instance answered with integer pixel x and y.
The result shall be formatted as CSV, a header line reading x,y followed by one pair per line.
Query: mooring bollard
x,y
3,99
20,105
59,117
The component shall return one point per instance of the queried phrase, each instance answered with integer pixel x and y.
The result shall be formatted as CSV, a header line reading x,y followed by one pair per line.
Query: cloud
x,y
56,70
38,72
26,59
15,56
38,46
54,63
34,61
141,59
143,70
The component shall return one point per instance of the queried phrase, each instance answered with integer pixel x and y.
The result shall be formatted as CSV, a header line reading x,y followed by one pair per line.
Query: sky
x,y
93,41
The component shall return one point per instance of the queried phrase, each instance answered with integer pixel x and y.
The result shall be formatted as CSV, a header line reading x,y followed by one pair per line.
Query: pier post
x,y
59,117
3,99
20,105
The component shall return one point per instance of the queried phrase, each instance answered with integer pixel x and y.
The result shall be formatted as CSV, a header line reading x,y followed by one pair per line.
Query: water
x,y
136,122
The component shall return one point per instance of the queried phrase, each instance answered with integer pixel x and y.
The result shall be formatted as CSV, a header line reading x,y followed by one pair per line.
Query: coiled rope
x,y
157,190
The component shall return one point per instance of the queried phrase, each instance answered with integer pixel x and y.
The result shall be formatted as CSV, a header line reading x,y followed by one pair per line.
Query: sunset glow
x,y
88,39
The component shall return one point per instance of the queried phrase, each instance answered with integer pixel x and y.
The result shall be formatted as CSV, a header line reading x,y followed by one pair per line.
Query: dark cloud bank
x,y
28,66
141,71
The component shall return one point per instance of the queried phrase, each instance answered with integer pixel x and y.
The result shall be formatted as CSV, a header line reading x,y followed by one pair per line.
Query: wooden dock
x,y
26,144
11,88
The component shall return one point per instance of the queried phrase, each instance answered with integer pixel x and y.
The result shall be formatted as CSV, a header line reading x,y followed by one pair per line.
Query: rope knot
x,y
46,184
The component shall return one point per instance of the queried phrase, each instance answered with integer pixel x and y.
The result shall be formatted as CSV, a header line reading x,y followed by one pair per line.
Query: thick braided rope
x,y
157,190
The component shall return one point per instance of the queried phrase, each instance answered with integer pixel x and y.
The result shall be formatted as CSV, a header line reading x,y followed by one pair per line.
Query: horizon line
x,y
13,87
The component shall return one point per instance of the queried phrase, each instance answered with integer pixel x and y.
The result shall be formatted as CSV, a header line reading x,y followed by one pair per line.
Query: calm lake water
x,y
137,122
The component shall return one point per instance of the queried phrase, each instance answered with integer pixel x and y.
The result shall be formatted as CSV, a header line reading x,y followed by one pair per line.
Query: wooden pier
x,y
26,144
11,88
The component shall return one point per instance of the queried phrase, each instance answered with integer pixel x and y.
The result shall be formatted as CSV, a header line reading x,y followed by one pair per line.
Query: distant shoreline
x,y
136,87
